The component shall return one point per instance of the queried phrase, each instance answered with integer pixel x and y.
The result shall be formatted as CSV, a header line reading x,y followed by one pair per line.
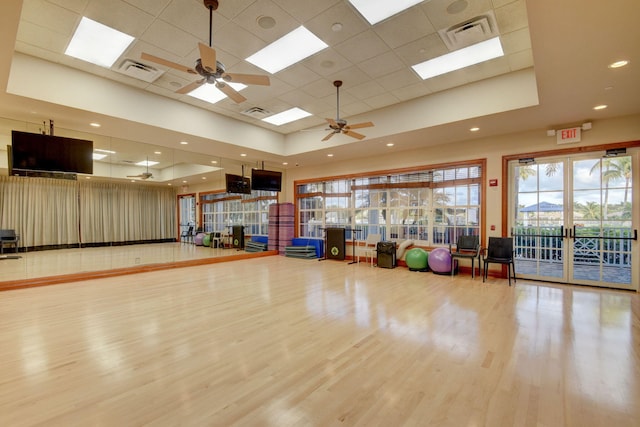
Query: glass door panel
x,y
538,220
602,221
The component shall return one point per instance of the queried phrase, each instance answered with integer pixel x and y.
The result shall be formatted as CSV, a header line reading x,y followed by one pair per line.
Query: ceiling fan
x,y
340,125
144,175
210,69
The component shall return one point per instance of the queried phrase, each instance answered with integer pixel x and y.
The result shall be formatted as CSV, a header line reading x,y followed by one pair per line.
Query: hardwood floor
x,y
278,341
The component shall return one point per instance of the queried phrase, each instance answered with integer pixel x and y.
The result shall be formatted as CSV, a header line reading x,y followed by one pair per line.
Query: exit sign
x,y
565,136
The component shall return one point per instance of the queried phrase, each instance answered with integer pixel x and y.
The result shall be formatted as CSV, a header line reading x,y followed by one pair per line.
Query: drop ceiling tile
x,y
119,15
231,8
520,60
351,76
382,100
153,7
298,75
327,62
516,41
303,11
382,65
354,108
284,23
487,69
404,28
41,38
421,50
192,17
362,46
39,52
352,24
447,81
415,90
398,79
238,41
54,18
512,17
74,5
170,39
365,90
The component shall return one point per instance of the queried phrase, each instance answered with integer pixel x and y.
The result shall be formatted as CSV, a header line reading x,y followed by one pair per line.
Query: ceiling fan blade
x,y
191,86
208,57
332,123
360,125
354,134
230,92
328,136
167,63
249,79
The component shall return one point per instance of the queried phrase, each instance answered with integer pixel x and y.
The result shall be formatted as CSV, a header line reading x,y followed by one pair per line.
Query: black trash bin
x,y
386,252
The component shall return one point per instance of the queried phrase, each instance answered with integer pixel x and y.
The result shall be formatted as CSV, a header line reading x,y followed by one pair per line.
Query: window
x,y
222,210
433,206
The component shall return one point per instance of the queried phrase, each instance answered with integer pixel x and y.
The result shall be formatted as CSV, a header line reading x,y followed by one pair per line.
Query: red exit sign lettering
x,y
564,136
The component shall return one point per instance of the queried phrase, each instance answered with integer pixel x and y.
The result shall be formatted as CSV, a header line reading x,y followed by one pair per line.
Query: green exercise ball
x,y
206,240
417,259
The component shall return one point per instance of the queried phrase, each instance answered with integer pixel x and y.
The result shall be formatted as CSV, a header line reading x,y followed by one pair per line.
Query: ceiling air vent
x,y
257,112
139,71
470,32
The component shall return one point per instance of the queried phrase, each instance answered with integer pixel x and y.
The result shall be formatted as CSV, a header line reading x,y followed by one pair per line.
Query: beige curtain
x,y
43,211
125,212
46,211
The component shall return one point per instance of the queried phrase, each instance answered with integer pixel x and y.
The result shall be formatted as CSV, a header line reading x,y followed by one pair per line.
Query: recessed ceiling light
x,y
94,124
329,155
600,107
375,11
287,116
146,163
287,50
98,156
104,151
243,155
210,93
184,142
285,163
214,162
184,182
204,177
474,129
96,43
169,184
461,58
390,144
336,27
618,64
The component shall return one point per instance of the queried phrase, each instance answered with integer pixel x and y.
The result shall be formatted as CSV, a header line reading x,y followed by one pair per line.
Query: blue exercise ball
x,y
417,259
440,261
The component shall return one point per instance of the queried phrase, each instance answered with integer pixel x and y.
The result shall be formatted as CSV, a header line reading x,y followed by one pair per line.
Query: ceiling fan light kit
x,y
210,69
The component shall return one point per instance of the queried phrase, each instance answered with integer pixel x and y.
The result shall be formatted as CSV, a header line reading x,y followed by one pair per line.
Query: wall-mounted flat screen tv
x,y
237,184
47,153
265,180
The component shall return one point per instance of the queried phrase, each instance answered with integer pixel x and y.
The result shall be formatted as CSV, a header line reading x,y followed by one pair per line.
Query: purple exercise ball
x,y
440,260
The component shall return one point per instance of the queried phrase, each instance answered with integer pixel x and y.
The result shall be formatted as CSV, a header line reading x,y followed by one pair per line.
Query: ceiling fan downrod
x,y
337,84
211,5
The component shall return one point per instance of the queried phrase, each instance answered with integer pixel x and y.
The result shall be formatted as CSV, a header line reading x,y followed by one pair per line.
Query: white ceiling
x,y
553,73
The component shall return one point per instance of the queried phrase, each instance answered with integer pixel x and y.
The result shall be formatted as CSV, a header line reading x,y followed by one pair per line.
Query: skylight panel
x,y
146,163
287,116
287,50
461,58
375,11
209,92
96,43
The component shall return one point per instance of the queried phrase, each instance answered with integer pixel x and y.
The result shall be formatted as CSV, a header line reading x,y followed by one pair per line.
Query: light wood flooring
x,y
278,341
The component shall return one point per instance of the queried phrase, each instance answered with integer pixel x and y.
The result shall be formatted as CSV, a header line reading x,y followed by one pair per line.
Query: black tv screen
x,y
265,180
38,152
237,184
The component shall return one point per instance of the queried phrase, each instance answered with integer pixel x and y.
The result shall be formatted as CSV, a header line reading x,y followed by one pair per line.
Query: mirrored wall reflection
x,y
124,214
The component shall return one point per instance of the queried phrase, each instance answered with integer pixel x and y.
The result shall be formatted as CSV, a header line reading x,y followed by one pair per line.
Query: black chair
x,y
187,234
499,251
466,247
8,237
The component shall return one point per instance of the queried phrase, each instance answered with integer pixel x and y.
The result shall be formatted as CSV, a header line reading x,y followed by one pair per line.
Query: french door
x,y
574,219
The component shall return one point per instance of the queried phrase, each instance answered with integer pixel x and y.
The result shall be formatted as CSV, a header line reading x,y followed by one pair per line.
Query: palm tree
x,y
613,169
590,210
